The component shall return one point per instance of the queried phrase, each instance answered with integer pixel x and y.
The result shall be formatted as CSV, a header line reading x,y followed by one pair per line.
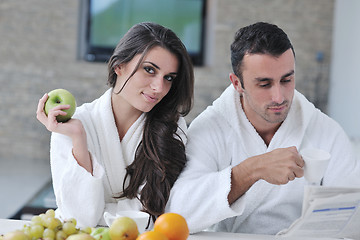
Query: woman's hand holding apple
x,y
72,128
69,128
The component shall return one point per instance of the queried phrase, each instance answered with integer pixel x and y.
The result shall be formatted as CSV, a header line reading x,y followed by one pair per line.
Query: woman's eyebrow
x,y
156,66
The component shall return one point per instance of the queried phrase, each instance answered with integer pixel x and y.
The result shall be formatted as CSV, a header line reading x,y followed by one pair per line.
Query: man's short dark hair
x,y
258,38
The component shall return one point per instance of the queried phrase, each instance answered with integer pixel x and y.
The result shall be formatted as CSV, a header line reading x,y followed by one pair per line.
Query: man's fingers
x,y
291,177
300,161
299,172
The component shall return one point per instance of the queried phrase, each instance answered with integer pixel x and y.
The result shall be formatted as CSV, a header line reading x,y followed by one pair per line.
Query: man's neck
x,y
265,129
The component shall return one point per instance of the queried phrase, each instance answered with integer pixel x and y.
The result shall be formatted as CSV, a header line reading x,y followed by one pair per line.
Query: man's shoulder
x,y
209,125
322,119
323,125
219,114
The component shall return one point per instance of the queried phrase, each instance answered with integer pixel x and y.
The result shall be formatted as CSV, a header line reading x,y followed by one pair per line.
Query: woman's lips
x,y
150,98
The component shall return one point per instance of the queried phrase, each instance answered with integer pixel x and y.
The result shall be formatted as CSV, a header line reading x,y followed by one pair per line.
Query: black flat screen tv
x,y
102,23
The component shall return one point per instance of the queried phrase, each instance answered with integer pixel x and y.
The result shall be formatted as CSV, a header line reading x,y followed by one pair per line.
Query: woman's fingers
x,y
40,114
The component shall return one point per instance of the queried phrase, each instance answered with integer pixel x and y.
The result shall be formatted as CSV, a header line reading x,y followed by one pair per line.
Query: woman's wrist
x,y
80,151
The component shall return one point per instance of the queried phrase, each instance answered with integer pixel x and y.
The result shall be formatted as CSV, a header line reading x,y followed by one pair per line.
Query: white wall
x,y
344,97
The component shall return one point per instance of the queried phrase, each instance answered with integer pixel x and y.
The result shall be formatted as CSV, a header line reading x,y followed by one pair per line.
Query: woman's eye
x,y
149,70
169,78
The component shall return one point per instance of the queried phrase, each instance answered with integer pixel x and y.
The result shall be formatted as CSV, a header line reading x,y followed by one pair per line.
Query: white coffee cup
x,y
141,218
316,162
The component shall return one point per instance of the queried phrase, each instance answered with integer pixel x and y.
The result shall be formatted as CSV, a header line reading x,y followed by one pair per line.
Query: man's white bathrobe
x,y
221,137
85,197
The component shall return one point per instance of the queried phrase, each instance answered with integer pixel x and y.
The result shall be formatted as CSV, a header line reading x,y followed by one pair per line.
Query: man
x,y
244,171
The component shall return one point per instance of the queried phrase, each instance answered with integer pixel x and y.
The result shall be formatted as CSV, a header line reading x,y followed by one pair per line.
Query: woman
x,y
125,150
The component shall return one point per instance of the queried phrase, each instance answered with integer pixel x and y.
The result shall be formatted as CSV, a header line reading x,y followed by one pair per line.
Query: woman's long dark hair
x,y
160,156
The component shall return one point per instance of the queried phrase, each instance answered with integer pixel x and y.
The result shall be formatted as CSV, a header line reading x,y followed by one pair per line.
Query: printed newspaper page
x,y
328,212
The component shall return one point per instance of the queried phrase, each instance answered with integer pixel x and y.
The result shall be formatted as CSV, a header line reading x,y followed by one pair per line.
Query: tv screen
x,y
106,21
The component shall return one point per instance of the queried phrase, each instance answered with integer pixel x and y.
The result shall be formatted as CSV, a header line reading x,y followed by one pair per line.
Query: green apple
x,y
61,97
101,233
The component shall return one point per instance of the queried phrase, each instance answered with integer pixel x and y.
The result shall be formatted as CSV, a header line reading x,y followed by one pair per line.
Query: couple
x,y
241,171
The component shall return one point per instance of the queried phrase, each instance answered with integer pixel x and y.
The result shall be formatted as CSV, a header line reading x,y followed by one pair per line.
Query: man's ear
x,y
236,82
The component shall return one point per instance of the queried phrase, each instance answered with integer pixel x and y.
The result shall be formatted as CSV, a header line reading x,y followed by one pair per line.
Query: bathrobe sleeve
x,y
79,194
205,182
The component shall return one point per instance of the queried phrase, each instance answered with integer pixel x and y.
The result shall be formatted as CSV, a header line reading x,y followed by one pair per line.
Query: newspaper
x,y
328,212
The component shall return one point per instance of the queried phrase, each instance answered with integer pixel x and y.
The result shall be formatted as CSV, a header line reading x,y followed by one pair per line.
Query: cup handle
x,y
109,218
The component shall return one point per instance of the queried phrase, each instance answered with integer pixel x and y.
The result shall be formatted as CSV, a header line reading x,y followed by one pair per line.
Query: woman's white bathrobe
x,y
221,137
85,197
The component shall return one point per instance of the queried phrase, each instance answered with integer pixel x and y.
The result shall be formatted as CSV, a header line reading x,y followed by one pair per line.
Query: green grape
x,y
26,230
36,231
49,233
46,221
53,223
36,220
43,219
86,230
73,220
69,228
61,235
50,213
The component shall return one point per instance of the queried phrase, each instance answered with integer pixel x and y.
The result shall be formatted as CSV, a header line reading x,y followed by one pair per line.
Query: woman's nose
x,y
157,84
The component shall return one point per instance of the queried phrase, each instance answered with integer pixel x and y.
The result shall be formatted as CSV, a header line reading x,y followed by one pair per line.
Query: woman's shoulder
x,y
182,123
86,109
182,129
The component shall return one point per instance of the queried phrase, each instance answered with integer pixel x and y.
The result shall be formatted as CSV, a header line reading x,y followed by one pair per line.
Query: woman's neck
x,y
124,114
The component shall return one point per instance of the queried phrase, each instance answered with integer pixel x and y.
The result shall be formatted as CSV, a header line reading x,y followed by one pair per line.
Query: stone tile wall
x,y
38,41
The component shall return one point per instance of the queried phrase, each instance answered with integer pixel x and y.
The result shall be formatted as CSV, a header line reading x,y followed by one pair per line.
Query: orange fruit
x,y
151,235
172,225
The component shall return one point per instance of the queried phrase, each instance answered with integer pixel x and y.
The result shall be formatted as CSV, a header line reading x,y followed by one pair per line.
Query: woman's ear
x,y
236,82
118,70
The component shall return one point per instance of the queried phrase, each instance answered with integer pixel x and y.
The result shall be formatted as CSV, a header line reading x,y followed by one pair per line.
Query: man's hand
x,y
276,167
280,165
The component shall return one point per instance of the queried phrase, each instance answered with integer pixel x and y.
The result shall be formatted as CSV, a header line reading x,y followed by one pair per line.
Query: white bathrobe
x,y
221,137
85,197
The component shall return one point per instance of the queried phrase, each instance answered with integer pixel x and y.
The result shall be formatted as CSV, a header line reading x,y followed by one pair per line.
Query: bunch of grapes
x,y
47,226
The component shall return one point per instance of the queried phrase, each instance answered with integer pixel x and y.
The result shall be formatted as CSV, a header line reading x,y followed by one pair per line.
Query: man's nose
x,y
277,94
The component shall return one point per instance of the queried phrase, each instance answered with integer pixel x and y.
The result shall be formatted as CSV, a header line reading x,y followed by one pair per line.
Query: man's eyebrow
x,y
261,79
156,66
265,79
288,74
